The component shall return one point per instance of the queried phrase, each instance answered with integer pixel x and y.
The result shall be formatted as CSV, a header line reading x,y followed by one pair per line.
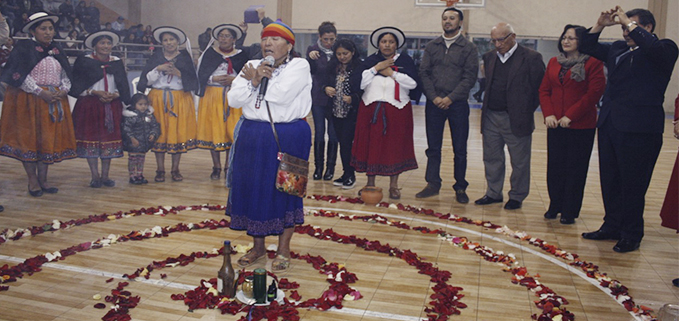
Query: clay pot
x,y
371,195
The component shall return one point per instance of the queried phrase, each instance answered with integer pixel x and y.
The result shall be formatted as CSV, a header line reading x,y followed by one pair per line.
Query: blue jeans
x,y
320,115
458,122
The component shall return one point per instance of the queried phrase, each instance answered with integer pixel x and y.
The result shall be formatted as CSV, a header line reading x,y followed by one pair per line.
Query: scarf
x,y
328,52
575,64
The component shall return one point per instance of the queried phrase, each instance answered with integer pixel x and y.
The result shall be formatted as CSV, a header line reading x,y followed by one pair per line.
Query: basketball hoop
x,y
450,3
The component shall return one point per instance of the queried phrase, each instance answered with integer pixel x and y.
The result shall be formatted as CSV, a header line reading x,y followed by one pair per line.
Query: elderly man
x,y
513,76
631,120
448,71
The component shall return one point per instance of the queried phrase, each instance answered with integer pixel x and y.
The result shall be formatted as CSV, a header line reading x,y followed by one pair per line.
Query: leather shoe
x,y
566,220
513,205
349,183
626,245
2,208
428,191
461,196
37,193
485,200
600,235
49,190
551,215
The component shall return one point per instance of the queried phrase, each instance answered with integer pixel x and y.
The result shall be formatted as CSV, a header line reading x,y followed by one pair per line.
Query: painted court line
x,y
549,258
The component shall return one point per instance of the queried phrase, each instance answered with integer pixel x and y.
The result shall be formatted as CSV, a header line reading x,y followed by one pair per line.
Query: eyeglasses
x,y
501,40
571,39
225,36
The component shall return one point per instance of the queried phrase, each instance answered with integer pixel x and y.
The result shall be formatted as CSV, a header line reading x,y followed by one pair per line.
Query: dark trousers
x,y
626,162
320,115
344,128
568,153
458,122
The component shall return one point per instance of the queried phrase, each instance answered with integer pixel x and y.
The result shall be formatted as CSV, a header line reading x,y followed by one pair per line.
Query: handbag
x,y
293,172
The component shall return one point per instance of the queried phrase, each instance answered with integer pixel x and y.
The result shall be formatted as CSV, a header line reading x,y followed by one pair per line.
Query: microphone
x,y
269,61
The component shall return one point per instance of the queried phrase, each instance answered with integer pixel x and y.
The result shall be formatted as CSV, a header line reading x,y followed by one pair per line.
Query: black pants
x,y
457,116
568,153
626,162
344,129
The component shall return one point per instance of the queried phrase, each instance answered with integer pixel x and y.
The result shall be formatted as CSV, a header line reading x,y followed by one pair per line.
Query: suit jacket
x,y
636,82
524,80
573,99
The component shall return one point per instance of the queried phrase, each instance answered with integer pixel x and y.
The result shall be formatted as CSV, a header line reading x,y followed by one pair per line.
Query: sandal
x,y
160,176
246,260
394,193
176,176
280,264
216,173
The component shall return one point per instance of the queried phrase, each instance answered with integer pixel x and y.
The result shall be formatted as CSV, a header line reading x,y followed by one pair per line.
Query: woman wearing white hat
x,y
100,84
383,142
217,68
172,77
36,126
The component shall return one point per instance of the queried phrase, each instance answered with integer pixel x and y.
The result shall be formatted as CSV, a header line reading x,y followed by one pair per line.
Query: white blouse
x,y
159,80
222,69
384,88
47,72
99,85
288,93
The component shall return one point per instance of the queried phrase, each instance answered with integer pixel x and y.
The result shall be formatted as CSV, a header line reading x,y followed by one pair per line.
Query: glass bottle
x,y
226,275
272,291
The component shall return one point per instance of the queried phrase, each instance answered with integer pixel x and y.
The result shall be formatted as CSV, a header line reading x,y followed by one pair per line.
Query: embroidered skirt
x,y
216,120
30,133
383,141
254,203
97,130
175,112
669,213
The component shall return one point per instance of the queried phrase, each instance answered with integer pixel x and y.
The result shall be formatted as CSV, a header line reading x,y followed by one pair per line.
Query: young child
x,y
140,130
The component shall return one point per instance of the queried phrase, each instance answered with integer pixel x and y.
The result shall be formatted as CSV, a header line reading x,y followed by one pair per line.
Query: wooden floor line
x,y
551,259
181,286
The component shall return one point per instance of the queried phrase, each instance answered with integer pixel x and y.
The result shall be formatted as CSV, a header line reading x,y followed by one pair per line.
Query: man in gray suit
x,y
513,76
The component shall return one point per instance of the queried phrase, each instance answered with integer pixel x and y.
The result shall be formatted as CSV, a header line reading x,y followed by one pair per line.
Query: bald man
x,y
513,76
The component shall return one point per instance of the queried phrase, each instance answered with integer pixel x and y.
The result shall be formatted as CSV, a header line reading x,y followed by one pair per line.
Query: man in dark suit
x,y
513,76
631,120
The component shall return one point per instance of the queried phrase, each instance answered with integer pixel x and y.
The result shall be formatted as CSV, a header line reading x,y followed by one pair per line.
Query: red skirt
x,y
669,213
92,136
383,141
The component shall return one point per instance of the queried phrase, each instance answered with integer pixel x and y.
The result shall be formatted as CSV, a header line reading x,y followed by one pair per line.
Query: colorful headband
x,y
279,29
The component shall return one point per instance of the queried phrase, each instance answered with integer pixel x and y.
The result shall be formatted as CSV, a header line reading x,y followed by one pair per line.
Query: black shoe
x,y
626,245
95,183
108,183
37,193
349,183
551,215
2,208
513,205
329,172
339,181
566,221
318,173
600,235
428,191
143,180
135,180
485,200
675,282
50,190
461,196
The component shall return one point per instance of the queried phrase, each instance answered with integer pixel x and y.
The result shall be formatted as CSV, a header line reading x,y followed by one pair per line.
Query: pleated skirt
x,y
176,114
383,140
92,138
216,120
255,205
30,134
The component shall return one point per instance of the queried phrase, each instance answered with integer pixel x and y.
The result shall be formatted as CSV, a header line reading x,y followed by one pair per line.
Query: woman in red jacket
x,y
570,90
669,213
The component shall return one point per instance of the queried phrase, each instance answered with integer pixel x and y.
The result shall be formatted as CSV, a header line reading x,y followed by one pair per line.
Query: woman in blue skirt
x,y
254,203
